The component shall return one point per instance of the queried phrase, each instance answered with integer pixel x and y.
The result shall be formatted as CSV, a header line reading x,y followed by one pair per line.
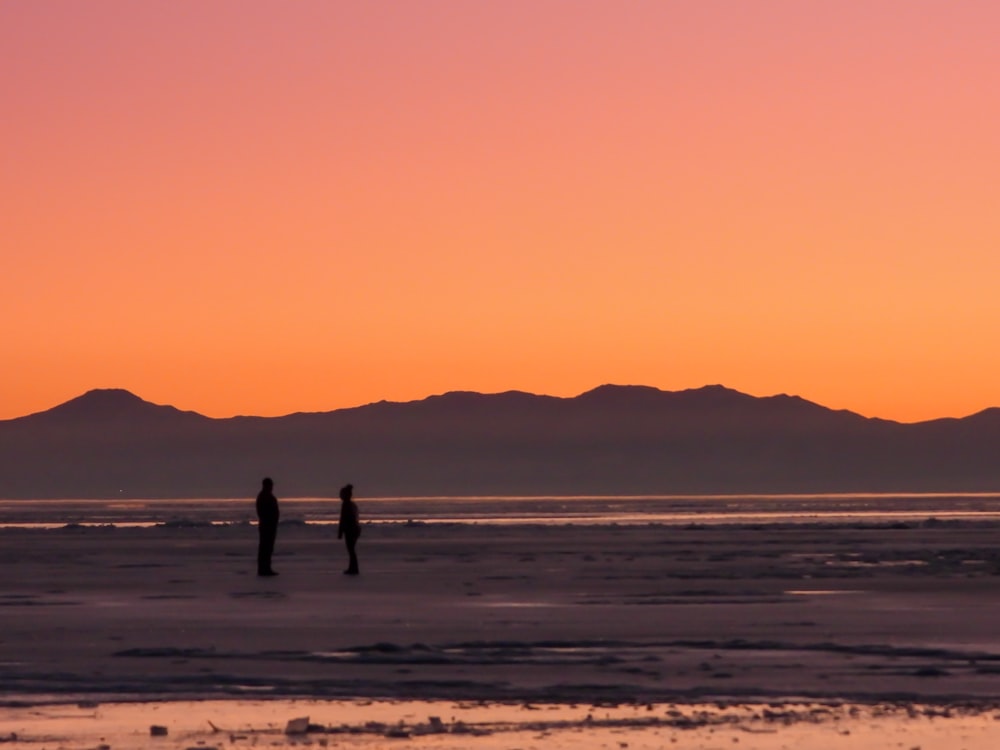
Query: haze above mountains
x,y
627,440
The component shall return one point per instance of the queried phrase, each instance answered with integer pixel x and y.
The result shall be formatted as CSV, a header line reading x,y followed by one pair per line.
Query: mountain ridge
x,y
610,439
121,400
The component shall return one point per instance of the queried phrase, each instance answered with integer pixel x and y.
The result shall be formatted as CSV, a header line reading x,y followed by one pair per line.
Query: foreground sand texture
x,y
892,614
491,726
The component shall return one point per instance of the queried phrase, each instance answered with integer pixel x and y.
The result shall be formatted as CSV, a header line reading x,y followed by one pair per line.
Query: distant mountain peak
x,y
614,392
716,391
109,395
716,388
620,388
108,403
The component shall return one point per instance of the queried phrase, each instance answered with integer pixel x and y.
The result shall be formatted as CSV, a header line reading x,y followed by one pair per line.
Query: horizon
x,y
263,208
706,386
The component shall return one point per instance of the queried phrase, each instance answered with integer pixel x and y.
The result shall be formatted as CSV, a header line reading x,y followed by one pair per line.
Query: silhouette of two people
x,y
349,528
267,526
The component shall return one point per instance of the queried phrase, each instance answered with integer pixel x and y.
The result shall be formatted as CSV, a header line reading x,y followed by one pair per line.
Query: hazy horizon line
x,y
438,394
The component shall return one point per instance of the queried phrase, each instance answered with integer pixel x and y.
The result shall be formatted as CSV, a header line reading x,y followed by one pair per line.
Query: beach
x,y
491,726
811,619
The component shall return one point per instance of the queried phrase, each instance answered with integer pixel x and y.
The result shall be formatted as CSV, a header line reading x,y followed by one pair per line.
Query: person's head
x,y
346,492
268,483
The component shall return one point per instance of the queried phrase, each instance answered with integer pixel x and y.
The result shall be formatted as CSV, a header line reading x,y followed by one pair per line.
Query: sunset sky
x,y
245,207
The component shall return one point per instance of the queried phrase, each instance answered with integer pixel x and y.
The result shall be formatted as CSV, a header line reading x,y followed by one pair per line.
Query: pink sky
x,y
267,207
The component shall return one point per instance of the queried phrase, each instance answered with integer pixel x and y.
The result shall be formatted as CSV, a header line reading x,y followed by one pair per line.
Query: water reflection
x,y
666,509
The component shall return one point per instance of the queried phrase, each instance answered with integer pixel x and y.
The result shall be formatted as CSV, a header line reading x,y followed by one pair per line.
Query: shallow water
x,y
542,510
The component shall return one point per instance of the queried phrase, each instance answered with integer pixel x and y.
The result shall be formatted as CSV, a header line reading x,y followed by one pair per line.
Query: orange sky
x,y
244,207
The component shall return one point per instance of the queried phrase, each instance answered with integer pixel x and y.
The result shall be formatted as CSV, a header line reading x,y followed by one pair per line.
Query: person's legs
x,y
265,548
352,567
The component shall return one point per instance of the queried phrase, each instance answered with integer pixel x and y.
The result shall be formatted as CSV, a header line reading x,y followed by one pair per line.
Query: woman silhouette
x,y
349,527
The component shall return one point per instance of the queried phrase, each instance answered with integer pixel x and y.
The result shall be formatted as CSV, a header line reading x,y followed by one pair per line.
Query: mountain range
x,y
626,440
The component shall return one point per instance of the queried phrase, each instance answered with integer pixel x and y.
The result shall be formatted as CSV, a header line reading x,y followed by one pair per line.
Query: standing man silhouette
x,y
349,527
267,526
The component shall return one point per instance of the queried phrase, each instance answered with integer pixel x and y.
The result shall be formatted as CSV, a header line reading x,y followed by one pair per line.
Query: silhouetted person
x,y
349,527
267,526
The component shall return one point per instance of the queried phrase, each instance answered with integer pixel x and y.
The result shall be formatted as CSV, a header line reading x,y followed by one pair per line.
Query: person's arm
x,y
343,521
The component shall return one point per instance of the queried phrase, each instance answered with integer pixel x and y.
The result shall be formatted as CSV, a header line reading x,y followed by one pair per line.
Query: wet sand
x,y
897,614
490,726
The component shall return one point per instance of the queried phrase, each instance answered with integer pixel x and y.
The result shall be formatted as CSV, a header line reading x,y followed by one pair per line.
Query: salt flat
x,y
737,615
563,612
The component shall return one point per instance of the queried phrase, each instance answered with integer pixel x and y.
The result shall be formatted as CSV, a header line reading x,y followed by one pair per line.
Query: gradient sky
x,y
244,207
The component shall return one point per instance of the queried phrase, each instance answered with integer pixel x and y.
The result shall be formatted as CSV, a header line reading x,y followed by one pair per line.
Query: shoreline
x,y
676,510
465,724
